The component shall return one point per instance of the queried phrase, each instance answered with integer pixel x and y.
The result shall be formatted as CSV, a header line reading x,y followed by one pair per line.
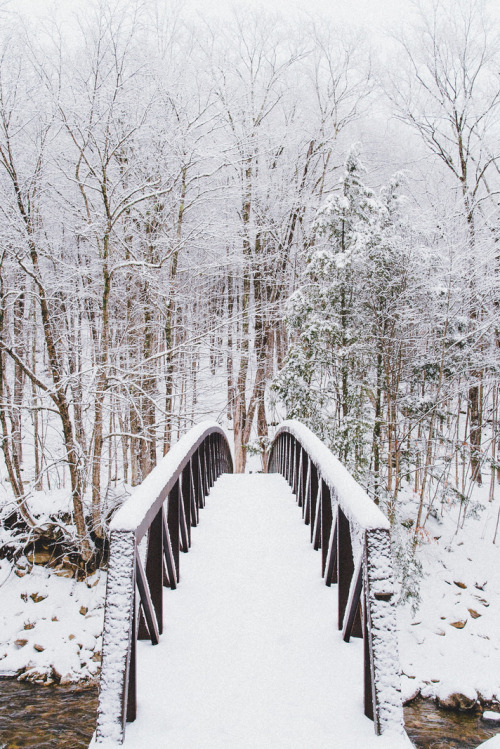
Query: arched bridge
x,y
251,654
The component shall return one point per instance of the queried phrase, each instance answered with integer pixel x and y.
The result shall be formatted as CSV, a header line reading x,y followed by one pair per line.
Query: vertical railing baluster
x,y
183,525
345,570
326,523
154,567
186,499
313,496
305,487
295,476
173,524
210,462
204,471
201,483
194,502
299,488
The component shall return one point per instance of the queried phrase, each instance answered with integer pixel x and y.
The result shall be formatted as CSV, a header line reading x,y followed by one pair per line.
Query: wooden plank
x,y
330,571
195,515
200,496
306,476
314,494
154,567
316,533
184,536
168,555
186,500
345,564
147,603
353,604
173,525
326,522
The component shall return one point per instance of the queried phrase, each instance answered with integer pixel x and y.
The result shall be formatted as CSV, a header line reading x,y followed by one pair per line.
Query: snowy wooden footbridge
x,y
251,656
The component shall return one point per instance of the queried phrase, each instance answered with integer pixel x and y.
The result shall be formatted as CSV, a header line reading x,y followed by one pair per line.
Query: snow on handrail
x,y
135,510
353,499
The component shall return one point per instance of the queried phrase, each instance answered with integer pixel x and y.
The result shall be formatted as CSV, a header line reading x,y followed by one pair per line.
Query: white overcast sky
x,y
374,13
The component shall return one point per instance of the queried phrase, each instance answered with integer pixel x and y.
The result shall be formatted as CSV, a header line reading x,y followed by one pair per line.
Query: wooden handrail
x,y
165,507
354,538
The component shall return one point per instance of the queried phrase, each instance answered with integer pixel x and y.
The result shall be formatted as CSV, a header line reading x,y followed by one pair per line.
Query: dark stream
x,y
430,727
64,718
45,717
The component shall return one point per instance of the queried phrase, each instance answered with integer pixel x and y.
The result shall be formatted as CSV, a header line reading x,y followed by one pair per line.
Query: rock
x,y
457,701
83,610
20,573
24,597
21,642
482,600
460,585
71,637
40,648
491,717
65,572
54,619
474,613
29,625
37,597
96,657
440,632
458,625
66,679
39,557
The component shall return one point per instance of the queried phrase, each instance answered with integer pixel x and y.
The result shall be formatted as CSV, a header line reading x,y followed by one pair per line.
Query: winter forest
x,y
249,220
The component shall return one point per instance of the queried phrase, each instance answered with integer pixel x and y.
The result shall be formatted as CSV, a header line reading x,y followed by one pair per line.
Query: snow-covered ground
x,y
50,626
451,645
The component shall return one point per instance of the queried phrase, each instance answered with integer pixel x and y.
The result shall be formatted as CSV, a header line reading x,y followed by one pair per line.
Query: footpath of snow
x,y
50,626
461,587
250,654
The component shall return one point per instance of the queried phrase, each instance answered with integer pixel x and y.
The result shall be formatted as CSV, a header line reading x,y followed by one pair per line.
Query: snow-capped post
x,y
354,537
181,480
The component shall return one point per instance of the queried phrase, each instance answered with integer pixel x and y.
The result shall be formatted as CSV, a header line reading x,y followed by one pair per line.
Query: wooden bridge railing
x,y
354,538
161,511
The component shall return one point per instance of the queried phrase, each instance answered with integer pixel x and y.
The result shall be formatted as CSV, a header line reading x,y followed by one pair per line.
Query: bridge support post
x,y
119,626
381,644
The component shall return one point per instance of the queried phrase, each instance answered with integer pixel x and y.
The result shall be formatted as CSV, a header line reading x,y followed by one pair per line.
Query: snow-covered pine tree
x,y
342,321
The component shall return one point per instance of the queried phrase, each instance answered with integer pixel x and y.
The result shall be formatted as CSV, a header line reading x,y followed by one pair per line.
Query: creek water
x,y
33,717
